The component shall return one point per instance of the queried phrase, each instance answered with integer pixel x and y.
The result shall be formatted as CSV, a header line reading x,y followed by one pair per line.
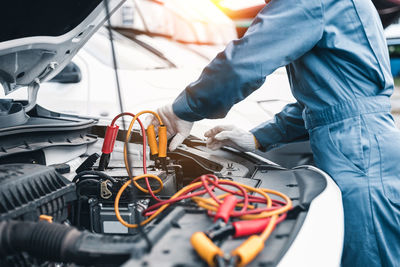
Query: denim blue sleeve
x,y
287,126
282,32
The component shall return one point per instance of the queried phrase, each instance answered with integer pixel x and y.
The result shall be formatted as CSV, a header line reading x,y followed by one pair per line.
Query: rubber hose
x,y
49,241
62,243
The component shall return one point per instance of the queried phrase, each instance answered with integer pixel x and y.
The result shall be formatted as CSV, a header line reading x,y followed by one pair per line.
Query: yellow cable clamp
x,y
162,141
205,248
249,249
152,140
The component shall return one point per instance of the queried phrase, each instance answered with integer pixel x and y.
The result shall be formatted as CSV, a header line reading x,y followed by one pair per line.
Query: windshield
x,y
130,55
187,21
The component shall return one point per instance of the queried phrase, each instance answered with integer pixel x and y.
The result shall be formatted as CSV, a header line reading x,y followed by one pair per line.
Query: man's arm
x,y
282,32
287,126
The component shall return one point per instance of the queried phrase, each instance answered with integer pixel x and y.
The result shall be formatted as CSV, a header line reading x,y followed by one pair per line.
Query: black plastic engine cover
x,y
29,190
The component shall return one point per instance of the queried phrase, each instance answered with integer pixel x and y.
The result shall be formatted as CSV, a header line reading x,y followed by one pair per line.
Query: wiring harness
x,y
240,211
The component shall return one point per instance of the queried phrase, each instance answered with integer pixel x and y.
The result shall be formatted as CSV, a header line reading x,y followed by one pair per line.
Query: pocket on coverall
x,y
350,139
389,149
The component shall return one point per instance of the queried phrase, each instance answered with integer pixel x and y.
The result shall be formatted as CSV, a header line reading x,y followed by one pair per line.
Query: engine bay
x,y
57,175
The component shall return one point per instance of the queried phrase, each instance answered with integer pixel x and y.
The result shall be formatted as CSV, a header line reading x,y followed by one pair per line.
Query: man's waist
x,y
345,110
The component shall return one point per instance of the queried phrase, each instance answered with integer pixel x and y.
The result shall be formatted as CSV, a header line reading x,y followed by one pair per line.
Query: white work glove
x,y
229,135
177,128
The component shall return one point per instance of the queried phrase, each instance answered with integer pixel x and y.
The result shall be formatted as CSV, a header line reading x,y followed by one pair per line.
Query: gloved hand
x,y
176,127
229,135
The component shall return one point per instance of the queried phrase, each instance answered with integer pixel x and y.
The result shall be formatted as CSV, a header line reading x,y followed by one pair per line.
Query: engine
x,y
95,210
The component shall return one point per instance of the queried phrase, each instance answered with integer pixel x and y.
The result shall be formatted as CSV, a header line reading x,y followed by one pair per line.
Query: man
x,y
338,66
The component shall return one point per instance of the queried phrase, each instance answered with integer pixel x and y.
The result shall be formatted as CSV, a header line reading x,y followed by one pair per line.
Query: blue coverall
x,y
338,67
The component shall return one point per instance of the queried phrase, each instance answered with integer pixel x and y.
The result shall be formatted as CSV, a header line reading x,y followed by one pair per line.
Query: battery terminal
x,y
104,191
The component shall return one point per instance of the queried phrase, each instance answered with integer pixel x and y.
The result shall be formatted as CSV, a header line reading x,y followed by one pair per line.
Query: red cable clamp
x,y
225,209
109,139
250,227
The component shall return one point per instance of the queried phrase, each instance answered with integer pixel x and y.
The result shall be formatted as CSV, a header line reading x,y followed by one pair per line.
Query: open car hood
x,y
39,38
389,10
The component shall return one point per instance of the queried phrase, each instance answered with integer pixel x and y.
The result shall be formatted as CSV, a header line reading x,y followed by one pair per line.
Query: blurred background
x,y
163,45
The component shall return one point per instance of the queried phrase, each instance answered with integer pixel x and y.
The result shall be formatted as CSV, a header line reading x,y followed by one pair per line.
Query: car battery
x,y
97,208
103,219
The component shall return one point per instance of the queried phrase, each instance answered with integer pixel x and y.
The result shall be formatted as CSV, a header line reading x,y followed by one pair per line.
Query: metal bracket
x,y
33,90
